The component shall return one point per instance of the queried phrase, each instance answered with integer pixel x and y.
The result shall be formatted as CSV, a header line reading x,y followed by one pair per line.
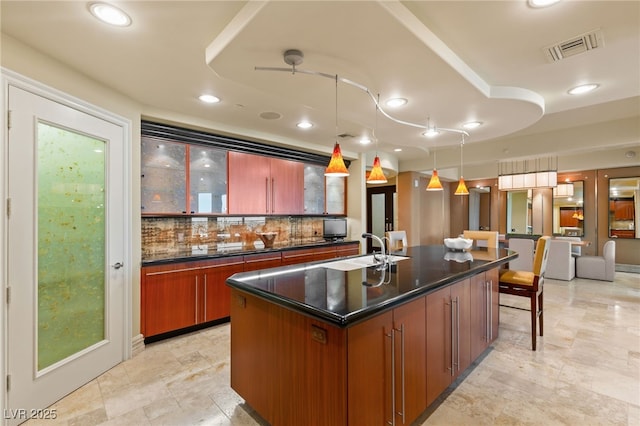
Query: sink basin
x,y
359,262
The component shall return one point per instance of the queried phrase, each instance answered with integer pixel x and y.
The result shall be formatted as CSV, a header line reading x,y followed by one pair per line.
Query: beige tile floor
x,y
586,371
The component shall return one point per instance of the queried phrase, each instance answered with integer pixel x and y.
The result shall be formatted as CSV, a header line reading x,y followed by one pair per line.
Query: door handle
x,y
117,265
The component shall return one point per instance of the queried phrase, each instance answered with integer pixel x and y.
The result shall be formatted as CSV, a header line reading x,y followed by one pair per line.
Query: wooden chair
x,y
482,238
529,284
397,239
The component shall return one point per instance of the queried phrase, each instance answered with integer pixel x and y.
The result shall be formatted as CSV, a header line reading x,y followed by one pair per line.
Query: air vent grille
x,y
575,45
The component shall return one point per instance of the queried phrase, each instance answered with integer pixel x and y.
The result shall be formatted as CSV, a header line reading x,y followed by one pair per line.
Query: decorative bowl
x,y
458,243
267,238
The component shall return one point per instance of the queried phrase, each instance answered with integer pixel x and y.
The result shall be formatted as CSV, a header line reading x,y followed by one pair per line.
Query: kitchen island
x,y
340,342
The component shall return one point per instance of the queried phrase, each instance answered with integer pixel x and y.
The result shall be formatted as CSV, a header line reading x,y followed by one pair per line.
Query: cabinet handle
x,y
490,310
487,290
273,197
196,316
391,335
452,334
458,333
402,369
205,298
266,193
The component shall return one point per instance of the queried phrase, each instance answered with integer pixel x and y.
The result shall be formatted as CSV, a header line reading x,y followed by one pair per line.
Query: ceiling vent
x,y
575,45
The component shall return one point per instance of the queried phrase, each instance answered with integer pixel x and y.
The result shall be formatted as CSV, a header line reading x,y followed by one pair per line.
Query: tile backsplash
x,y
177,236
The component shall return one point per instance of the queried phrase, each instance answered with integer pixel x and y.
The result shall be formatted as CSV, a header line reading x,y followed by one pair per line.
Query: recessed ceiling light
x,y
396,102
542,3
472,124
270,115
209,99
398,149
584,88
304,125
110,14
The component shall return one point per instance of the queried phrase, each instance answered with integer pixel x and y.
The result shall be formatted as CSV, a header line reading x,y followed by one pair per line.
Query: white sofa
x,y
598,267
561,264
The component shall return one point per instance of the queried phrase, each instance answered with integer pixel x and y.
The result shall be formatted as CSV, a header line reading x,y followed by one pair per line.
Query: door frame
x,y
388,190
9,77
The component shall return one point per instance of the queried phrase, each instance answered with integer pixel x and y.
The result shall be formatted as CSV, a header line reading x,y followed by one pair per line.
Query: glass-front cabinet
x,y
164,179
313,189
173,185
335,190
207,180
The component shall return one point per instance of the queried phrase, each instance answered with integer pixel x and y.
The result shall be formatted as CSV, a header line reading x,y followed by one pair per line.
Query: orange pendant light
x,y
462,187
336,165
376,175
434,182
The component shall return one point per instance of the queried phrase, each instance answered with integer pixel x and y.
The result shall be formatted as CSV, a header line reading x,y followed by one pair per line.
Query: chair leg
x,y
534,320
541,313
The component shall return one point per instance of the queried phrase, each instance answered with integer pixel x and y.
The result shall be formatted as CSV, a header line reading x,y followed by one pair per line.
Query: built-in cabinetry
x,y
448,334
186,178
179,178
264,185
385,369
180,295
186,294
386,366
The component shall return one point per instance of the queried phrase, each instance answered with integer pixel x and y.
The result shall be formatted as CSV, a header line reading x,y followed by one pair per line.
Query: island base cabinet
x,y
485,311
448,336
289,368
386,367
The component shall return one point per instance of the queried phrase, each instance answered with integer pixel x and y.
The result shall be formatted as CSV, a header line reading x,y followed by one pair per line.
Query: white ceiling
x,y
454,61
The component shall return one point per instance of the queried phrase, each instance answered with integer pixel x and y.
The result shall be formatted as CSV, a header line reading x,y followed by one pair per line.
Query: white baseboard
x,y
137,345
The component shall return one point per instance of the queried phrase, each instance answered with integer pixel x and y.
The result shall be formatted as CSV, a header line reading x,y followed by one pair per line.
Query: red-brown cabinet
x,y
265,185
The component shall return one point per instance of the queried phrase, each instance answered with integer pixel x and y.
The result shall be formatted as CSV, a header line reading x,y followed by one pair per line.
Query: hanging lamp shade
x,y
462,188
434,183
376,175
336,165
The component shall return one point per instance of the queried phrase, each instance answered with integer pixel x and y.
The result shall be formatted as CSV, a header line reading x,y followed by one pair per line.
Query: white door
x,y
66,231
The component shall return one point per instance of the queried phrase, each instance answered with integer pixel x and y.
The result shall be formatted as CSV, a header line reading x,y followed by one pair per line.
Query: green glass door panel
x,y
71,243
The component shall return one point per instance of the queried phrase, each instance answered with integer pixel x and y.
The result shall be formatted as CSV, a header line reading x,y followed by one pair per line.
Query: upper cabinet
x,y
179,178
265,185
336,195
164,179
323,194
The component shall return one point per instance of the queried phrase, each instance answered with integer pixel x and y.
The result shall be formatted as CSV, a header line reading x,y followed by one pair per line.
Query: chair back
x,y
488,238
575,250
541,257
524,248
397,239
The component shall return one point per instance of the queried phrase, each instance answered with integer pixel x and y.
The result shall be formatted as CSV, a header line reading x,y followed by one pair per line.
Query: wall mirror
x,y
568,209
623,207
480,208
519,212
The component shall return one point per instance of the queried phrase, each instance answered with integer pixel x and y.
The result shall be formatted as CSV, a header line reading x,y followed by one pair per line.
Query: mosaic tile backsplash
x,y
184,236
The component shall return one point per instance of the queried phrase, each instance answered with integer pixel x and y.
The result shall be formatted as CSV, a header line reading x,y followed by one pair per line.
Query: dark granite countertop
x,y
214,253
339,297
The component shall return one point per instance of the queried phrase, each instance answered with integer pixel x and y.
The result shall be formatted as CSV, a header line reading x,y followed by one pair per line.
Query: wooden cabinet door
x,y
217,295
369,371
168,299
461,296
286,187
493,276
439,332
409,323
249,182
479,313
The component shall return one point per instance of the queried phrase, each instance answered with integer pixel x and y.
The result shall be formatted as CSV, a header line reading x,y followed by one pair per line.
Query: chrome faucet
x,y
380,241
